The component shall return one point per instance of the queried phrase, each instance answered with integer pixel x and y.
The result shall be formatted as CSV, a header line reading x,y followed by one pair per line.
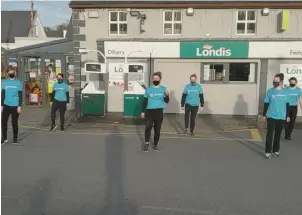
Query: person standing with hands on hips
x,y
11,101
295,97
191,98
153,109
60,99
275,112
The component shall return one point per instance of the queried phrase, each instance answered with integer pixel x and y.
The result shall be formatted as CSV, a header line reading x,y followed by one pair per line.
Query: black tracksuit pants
x,y
273,135
58,105
190,114
154,117
289,126
7,111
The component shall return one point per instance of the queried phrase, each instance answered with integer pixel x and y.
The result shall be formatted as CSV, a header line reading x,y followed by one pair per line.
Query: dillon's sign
x,y
222,49
115,52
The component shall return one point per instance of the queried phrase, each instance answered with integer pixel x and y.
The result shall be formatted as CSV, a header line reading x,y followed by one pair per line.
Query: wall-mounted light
x,y
265,12
190,11
134,13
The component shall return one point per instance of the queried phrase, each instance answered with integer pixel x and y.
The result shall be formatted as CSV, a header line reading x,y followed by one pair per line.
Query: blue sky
x,y
51,13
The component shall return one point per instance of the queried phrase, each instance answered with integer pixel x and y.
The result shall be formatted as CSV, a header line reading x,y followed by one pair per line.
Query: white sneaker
x,y
276,154
3,141
267,155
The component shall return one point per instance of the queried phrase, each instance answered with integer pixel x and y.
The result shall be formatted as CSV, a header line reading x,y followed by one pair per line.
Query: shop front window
x,y
214,72
242,72
229,72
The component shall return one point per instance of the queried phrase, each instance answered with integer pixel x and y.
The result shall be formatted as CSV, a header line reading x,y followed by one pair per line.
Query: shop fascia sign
x,y
275,49
222,49
141,49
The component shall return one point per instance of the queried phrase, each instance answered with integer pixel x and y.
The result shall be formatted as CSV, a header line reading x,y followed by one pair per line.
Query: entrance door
x,y
39,75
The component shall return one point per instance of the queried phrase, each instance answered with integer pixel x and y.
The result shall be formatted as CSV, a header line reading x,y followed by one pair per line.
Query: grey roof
x,y
56,47
14,24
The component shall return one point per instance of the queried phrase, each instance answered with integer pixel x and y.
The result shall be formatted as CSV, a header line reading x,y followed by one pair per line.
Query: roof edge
x,y
54,42
185,4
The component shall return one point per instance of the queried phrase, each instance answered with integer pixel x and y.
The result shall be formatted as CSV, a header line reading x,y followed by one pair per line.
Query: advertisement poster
x,y
116,74
291,70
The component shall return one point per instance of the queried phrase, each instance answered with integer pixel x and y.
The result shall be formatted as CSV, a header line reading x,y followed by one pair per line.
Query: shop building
x,y
223,46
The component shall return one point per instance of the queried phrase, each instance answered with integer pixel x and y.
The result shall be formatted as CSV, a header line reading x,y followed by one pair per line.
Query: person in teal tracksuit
x,y
155,99
295,98
275,112
60,99
191,99
11,101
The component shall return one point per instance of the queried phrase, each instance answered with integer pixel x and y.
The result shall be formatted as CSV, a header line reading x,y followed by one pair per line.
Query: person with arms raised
x,y
153,109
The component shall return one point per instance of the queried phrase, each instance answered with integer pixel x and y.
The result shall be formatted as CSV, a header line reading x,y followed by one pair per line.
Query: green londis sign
x,y
221,49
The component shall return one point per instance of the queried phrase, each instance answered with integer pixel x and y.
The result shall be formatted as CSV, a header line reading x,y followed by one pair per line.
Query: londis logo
x,y
294,71
208,51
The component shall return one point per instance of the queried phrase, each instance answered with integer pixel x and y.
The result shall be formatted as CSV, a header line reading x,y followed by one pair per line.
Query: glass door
x,y
33,81
39,76
52,67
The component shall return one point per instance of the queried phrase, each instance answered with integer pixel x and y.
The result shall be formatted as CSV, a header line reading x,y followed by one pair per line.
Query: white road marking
x,y
179,210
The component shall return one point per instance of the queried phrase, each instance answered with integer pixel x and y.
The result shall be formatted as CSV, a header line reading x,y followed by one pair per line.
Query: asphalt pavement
x,y
104,172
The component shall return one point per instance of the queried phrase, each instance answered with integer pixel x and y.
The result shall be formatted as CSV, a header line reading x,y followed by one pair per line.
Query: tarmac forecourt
x,y
223,135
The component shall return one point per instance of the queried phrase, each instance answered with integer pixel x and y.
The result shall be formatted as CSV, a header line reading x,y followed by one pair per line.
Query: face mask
x,y
60,80
276,83
292,85
11,75
156,83
193,82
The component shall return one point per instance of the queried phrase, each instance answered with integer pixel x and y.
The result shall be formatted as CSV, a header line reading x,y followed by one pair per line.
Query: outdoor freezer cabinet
x,y
133,104
133,100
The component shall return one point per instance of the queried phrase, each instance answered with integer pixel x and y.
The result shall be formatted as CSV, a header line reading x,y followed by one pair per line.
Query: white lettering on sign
x,y
208,51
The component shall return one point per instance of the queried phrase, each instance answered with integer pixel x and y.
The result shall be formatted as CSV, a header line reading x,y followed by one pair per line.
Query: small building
x,y
234,47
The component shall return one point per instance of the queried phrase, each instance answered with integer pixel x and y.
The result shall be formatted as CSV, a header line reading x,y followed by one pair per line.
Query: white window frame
x,y
246,21
118,22
171,22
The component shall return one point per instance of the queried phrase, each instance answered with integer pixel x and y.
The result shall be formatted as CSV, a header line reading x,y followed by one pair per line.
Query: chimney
x,y
64,33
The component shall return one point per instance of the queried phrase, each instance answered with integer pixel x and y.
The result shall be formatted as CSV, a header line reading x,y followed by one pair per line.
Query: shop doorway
x,y
38,77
